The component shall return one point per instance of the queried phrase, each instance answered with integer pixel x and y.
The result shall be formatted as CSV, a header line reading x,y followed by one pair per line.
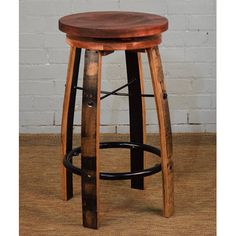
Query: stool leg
x,y
90,138
68,118
165,129
136,114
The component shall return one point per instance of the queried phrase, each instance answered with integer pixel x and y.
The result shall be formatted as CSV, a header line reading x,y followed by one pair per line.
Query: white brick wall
x,y
188,54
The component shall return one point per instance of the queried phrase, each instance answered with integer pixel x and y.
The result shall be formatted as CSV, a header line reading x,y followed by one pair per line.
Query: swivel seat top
x,y
113,24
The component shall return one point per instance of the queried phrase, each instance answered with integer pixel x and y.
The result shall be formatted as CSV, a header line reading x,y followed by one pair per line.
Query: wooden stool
x,y
101,33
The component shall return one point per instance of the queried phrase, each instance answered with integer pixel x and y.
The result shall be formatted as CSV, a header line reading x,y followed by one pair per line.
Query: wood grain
x,y
136,114
114,44
113,24
90,138
165,129
67,119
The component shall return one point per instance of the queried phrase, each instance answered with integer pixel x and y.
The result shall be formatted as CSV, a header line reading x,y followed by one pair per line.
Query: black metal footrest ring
x,y
121,175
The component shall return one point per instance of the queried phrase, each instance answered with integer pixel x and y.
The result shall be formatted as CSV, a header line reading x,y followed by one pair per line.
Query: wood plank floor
x,y
124,211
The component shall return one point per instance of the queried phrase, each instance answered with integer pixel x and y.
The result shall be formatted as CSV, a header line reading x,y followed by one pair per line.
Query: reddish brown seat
x,y
113,24
113,30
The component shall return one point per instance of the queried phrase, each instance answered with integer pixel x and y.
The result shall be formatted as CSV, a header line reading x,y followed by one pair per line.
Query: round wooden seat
x,y
113,30
113,24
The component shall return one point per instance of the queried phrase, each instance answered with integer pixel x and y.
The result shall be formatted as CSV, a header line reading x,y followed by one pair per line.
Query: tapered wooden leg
x,y
136,114
67,119
90,138
165,129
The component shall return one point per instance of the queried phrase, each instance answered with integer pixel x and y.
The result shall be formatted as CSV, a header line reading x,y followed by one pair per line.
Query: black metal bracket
x,y
116,176
114,92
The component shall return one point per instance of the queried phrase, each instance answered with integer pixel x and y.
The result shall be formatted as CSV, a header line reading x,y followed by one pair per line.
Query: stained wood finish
x,y
67,119
136,114
90,138
113,24
165,129
114,44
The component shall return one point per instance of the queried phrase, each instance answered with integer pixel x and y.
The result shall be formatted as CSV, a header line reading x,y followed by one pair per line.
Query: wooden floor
x,y
124,211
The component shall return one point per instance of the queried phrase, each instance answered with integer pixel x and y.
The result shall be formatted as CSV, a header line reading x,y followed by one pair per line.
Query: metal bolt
x,y
90,103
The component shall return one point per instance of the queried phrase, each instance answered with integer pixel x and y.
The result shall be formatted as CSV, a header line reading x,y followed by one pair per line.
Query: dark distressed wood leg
x,y
68,118
165,129
90,139
136,114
